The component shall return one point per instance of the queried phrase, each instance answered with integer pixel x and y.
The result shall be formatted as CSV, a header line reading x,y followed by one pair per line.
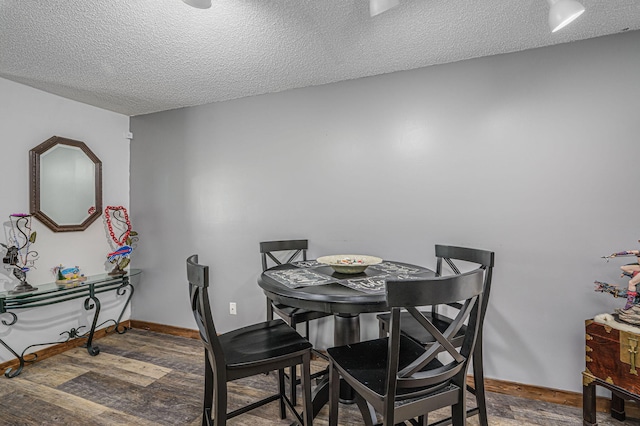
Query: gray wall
x,y
531,154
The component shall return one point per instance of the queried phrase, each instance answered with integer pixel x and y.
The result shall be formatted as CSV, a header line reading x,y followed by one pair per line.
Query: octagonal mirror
x,y
65,185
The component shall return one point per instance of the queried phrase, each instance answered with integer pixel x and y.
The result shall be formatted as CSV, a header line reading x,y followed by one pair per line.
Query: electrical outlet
x,y
232,308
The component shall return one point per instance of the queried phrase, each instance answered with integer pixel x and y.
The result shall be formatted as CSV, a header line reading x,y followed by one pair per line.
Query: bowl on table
x,y
349,263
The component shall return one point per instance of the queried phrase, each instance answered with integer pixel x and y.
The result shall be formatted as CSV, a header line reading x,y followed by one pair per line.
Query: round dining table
x,y
317,287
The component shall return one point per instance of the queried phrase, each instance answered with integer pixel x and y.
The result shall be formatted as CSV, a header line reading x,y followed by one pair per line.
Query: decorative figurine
x,y
20,257
68,277
122,237
631,270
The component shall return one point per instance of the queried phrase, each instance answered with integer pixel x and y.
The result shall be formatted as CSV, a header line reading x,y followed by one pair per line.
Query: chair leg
x,y
269,310
220,407
478,382
208,391
305,380
382,332
459,410
388,417
334,393
293,380
368,413
281,390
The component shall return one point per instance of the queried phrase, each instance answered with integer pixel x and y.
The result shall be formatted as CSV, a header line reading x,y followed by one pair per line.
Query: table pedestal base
x,y
346,331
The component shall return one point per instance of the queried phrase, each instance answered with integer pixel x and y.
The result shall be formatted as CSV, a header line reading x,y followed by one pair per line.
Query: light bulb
x,y
563,12
200,4
376,7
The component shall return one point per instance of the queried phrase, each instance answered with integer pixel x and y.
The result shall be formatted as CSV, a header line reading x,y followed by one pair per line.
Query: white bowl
x,y
349,263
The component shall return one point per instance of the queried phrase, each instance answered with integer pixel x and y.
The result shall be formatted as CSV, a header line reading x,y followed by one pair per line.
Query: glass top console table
x,y
52,293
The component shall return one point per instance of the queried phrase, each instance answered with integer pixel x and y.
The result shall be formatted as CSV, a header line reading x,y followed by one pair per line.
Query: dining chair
x,y
245,352
400,378
293,250
411,328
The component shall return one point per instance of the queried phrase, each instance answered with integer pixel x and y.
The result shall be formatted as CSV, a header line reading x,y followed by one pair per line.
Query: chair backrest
x,y
268,248
466,288
198,277
483,258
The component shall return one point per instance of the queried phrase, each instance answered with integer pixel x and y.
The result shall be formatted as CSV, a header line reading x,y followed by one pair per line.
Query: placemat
x,y
296,278
370,285
376,284
397,269
307,264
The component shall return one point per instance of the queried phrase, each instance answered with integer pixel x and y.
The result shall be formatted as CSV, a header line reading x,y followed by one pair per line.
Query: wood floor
x,y
146,378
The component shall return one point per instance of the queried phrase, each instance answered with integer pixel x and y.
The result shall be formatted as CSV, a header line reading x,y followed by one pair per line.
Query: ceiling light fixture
x,y
200,4
376,7
563,12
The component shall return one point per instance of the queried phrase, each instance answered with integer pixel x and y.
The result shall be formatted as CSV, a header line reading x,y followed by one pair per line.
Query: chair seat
x,y
297,315
259,342
357,360
412,328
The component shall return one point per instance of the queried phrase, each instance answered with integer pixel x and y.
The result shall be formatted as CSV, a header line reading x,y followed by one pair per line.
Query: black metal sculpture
x,y
20,256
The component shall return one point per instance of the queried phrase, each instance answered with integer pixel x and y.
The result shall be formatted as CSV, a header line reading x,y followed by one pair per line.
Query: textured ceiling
x,y
142,56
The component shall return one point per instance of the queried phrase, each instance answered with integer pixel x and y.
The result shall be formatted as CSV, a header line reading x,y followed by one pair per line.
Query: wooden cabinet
x,y
611,362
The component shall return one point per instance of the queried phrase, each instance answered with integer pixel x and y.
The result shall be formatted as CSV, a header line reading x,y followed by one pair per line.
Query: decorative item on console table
x,y
68,277
122,238
20,256
632,271
611,362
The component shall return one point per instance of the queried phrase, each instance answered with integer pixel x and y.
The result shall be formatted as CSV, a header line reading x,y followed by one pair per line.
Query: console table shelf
x,y
51,293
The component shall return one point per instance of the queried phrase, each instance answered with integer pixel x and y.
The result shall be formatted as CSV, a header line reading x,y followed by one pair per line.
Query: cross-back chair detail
x,y
449,255
291,315
248,351
400,378
267,248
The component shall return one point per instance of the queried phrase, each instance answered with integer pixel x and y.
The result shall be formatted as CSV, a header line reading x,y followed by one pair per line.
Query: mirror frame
x,y
34,184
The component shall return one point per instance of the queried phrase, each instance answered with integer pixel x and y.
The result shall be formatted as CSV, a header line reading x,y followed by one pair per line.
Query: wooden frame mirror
x,y
65,184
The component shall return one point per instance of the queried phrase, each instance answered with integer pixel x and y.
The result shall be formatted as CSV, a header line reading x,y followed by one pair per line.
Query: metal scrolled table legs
x,y
88,292
9,373
93,350
22,357
121,291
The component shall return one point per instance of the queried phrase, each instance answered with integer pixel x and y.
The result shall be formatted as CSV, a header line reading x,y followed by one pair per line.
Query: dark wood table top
x,y
317,287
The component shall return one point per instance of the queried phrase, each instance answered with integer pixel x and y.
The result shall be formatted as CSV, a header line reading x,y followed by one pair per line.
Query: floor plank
x,y
130,364
145,378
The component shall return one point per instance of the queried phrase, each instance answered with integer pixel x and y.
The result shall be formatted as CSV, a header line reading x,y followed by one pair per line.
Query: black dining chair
x,y
410,327
400,378
293,249
248,351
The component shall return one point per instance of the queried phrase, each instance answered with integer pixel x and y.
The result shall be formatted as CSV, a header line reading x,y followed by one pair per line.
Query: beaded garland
x,y
123,238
